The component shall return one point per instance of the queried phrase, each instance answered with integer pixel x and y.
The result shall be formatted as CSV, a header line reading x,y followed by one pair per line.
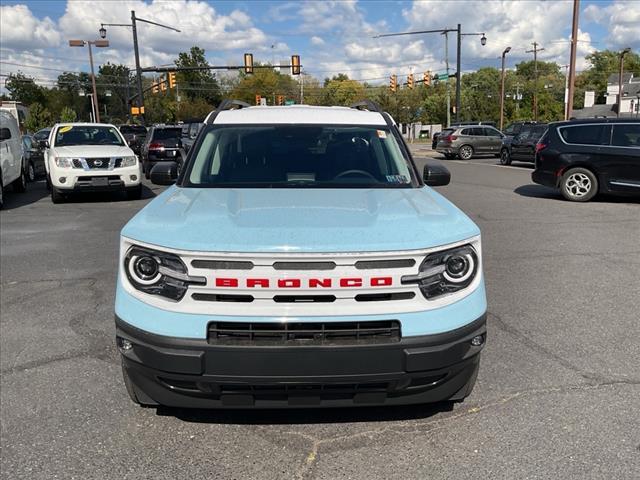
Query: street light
x,y
458,30
134,29
504,54
98,44
622,54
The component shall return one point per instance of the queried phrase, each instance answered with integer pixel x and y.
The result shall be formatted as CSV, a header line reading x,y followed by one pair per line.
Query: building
x,y
630,105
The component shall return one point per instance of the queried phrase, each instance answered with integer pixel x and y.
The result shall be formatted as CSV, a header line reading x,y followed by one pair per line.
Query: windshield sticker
x,y
397,179
382,134
65,129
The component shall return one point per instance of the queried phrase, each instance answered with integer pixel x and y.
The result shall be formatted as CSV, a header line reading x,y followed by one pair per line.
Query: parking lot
x,y
558,393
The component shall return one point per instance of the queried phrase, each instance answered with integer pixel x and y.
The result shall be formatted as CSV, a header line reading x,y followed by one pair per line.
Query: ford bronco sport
x,y
300,259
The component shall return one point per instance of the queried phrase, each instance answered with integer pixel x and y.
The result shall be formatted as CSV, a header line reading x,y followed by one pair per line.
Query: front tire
x,y
505,157
465,152
56,196
31,172
579,185
20,184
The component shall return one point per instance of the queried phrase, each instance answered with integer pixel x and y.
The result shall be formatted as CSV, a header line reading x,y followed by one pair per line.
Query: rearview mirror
x,y
436,175
164,173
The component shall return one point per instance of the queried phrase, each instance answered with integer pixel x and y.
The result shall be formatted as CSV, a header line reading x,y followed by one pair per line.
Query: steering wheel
x,y
362,173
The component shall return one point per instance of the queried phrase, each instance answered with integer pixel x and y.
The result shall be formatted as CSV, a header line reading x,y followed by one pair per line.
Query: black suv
x,y
134,136
521,146
586,157
163,143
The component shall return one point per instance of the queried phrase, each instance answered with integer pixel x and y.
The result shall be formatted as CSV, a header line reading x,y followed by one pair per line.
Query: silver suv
x,y
467,141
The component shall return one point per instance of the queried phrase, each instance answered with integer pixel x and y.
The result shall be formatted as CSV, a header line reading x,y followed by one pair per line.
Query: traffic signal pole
x,y
140,98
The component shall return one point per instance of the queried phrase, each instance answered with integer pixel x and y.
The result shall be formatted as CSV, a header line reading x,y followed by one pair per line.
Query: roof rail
x,y
367,105
226,104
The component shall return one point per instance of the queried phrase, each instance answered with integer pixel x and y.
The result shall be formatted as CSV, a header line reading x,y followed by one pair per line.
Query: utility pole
x,y
566,90
446,59
459,73
572,61
517,100
620,91
535,78
504,54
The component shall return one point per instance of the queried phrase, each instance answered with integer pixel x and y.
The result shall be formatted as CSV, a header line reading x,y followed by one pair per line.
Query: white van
x,y
11,158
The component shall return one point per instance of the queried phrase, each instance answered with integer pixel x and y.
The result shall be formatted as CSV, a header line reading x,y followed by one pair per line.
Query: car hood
x,y
299,220
92,151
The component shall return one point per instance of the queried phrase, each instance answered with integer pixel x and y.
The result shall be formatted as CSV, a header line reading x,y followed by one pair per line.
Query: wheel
x,y
465,152
579,185
147,170
505,157
47,182
31,172
56,196
1,192
135,193
20,184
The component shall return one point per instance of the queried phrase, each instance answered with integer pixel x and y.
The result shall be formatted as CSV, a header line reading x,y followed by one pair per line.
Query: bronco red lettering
x,y
381,281
319,282
257,282
289,283
227,282
350,282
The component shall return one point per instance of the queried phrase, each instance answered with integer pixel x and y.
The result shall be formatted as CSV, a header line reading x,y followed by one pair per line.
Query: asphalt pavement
x,y
558,393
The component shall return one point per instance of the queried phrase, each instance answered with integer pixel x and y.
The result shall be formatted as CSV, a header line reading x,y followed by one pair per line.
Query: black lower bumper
x,y
181,372
548,179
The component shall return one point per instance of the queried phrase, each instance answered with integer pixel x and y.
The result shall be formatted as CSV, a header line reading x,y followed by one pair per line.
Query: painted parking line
x,y
523,168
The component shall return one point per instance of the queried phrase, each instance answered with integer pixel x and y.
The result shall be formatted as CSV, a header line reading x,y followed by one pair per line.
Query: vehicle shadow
x,y
539,191
107,197
307,415
35,192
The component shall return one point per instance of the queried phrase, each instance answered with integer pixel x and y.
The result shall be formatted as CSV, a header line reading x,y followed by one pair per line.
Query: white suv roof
x,y
300,114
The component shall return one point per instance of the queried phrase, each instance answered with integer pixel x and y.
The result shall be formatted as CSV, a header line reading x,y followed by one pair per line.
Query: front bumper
x,y
96,180
186,372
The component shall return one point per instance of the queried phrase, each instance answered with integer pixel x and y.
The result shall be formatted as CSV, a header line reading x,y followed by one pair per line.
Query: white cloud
x,y
19,28
623,20
317,41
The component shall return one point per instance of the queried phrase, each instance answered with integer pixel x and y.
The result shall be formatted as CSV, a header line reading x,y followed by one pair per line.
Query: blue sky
x,y
331,36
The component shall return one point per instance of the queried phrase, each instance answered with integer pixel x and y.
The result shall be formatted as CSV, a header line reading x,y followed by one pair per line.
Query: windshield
x,y
71,135
42,134
331,156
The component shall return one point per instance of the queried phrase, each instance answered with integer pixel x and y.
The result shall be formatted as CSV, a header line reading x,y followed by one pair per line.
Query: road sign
x,y
442,76
289,102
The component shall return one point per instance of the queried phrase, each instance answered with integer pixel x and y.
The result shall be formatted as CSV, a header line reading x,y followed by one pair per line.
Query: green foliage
x,y
266,82
342,91
68,114
603,64
24,89
198,83
38,118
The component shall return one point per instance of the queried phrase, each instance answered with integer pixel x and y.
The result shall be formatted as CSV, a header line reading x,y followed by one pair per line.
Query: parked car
x,y
582,158
189,134
42,135
465,142
522,145
12,171
33,157
434,140
300,260
134,136
91,157
163,142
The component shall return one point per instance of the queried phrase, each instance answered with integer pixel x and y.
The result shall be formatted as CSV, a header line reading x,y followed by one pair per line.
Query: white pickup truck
x,y
12,170
90,157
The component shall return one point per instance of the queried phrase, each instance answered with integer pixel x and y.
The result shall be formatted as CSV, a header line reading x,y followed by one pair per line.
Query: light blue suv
x,y
299,259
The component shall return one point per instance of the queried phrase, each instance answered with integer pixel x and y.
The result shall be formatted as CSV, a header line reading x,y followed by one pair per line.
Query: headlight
x,y
63,162
129,161
158,273
445,272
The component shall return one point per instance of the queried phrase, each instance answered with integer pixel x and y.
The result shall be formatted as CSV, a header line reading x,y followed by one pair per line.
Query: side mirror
x,y
164,173
436,175
43,144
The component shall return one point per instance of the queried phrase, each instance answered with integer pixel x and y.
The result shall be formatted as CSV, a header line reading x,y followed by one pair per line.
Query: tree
x,y
266,82
197,83
38,118
340,90
116,79
24,89
603,64
68,114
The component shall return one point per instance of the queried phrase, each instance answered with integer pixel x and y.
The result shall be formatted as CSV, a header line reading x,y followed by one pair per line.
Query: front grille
x,y
101,163
304,334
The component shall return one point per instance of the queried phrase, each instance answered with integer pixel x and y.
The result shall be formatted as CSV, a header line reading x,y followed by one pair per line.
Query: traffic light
x,y
248,63
295,64
154,88
258,99
427,79
393,83
410,80
172,79
280,99
163,85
